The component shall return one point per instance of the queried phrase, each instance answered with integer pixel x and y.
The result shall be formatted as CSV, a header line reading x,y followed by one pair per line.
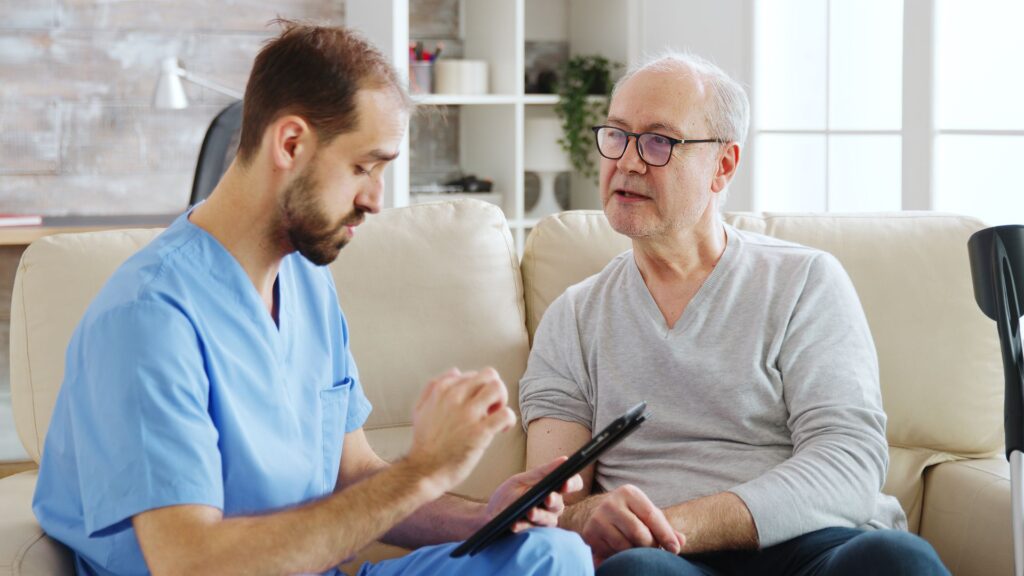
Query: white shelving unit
x,y
491,126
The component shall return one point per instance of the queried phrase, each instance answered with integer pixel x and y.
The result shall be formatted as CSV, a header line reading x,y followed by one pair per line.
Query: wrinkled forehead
x,y
673,96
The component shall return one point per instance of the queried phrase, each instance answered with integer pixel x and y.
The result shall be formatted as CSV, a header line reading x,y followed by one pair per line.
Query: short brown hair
x,y
313,72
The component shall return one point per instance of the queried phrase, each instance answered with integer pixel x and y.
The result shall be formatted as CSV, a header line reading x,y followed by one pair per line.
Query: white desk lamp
x,y
547,158
170,94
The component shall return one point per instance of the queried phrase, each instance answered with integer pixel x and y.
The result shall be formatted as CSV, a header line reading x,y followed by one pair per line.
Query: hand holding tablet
x,y
501,524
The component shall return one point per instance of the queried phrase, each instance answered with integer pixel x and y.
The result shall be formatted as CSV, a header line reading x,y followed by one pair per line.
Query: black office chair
x,y
219,148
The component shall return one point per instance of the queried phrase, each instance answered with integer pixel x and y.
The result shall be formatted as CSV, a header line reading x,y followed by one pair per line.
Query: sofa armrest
x,y
967,516
24,549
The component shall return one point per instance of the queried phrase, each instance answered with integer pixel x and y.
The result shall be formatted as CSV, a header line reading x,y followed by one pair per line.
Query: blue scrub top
x,y
179,388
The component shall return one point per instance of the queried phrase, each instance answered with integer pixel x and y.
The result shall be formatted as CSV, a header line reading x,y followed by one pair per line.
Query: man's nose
x,y
631,161
370,197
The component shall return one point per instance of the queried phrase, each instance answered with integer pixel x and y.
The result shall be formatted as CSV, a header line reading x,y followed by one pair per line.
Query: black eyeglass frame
x,y
636,138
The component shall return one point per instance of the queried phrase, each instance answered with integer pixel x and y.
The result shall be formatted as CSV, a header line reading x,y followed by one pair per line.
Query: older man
x,y
210,420
766,452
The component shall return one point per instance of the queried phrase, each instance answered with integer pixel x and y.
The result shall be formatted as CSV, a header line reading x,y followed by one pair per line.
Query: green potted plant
x,y
582,78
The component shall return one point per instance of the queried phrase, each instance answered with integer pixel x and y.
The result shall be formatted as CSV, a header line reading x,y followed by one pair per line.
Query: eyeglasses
x,y
654,149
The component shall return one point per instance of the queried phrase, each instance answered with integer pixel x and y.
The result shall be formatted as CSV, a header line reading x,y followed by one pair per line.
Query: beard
x,y
307,227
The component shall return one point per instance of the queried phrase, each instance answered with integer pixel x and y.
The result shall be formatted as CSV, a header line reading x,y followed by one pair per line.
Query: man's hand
x,y
545,515
454,420
622,519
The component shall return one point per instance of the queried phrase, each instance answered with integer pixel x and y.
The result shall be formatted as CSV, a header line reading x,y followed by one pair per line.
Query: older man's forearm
x,y
718,522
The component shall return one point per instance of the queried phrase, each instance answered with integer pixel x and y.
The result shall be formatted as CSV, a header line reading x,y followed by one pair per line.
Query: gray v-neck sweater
x,y
767,387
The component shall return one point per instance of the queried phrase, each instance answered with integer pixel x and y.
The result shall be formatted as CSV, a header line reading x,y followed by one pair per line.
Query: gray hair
x,y
728,110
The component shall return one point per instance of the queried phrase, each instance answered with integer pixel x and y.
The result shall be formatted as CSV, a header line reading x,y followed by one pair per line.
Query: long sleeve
x,y
830,380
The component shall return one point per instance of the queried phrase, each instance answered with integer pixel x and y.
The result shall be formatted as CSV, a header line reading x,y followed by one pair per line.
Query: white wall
x,y
547,20
719,30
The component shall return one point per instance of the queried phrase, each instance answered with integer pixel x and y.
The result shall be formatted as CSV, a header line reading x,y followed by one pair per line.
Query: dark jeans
x,y
832,551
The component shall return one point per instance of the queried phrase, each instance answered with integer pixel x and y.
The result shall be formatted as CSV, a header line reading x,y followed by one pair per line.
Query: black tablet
x,y
553,482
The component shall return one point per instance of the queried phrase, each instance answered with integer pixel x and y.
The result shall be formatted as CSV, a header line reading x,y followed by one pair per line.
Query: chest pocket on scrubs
x,y
334,410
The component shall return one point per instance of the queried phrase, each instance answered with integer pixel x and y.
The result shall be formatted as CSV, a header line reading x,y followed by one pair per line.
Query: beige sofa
x,y
437,285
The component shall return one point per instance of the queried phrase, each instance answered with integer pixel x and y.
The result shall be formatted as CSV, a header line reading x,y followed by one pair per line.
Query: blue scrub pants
x,y
538,551
831,552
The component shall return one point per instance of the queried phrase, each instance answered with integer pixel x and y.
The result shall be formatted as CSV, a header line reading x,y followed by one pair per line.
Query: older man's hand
x,y
625,518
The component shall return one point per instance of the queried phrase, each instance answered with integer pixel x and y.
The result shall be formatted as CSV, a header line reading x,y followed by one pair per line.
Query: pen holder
x,y
421,77
460,76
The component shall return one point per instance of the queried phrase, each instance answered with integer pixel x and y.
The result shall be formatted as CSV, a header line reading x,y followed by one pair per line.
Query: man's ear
x,y
291,142
728,162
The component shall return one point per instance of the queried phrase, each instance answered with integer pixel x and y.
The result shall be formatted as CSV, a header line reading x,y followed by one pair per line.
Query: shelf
x,y
491,138
495,198
540,99
463,99
25,235
523,224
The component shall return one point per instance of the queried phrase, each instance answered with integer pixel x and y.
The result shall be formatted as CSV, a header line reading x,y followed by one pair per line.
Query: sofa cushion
x,y
426,288
967,516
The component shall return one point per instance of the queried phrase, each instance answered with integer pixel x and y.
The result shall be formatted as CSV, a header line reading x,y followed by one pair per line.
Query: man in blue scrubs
x,y
210,420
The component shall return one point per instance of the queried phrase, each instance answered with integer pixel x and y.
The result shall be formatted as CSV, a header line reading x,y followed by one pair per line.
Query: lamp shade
x,y
169,93
543,152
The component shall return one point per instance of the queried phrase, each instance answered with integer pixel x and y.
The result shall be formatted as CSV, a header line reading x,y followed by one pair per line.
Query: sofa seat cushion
x,y
967,516
905,479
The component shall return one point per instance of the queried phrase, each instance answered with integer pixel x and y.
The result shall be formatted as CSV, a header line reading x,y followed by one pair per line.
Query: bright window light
x,y
864,173
790,62
790,171
865,65
976,175
979,76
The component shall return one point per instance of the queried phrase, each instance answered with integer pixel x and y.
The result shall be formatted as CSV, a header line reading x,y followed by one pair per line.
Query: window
x,y
828,99
830,129
979,101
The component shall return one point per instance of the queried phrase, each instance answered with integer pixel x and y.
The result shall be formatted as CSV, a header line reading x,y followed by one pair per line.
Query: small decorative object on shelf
x,y
421,67
543,61
466,187
545,156
467,77
470,183
582,78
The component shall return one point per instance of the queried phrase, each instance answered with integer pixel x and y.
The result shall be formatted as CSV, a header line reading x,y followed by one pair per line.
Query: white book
x,y
20,220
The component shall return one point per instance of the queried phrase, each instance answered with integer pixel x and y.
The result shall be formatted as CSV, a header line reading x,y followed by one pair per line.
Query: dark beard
x,y
307,227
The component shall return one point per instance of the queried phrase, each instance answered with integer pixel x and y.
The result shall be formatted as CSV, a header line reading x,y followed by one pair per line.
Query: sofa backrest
x,y
424,288
941,374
